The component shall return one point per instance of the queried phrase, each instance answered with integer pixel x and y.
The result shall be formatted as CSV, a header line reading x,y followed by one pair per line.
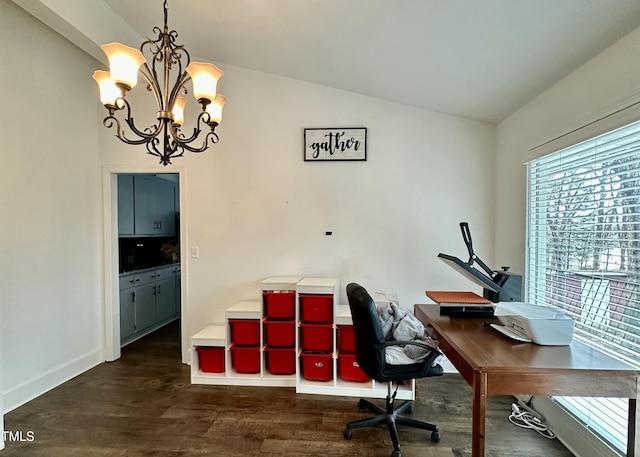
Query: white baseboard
x,y
16,396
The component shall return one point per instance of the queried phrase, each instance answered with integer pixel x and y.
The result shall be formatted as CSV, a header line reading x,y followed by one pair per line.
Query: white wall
x,y
251,204
602,86
256,209
50,272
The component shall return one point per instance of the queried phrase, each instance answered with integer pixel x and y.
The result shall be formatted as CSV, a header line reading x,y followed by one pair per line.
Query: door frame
x,y
111,328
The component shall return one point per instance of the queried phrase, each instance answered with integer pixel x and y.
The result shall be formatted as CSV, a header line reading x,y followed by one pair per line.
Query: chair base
x,y
392,417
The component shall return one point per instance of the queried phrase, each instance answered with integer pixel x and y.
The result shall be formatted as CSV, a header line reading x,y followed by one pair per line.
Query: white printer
x,y
533,323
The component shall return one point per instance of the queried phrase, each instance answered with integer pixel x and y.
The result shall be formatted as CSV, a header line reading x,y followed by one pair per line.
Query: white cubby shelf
x,y
251,319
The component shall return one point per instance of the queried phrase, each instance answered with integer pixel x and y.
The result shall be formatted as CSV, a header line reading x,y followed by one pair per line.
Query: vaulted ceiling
x,y
478,59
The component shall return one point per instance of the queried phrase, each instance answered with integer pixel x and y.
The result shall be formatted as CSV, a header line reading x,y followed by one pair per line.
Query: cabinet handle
x,y
159,289
154,290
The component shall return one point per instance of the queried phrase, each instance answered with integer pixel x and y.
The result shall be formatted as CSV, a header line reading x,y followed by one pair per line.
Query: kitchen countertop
x,y
144,270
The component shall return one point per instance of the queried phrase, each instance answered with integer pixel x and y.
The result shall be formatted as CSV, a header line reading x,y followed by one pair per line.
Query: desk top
x,y
484,349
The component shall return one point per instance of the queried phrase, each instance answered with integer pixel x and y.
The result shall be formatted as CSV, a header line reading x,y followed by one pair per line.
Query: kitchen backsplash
x,y
138,253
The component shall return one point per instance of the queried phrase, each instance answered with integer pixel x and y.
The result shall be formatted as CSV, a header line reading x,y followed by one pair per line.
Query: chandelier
x,y
166,73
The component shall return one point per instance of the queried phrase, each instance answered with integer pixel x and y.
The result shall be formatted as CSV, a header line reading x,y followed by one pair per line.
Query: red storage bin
x,y
316,366
211,359
280,333
316,337
245,359
245,332
280,361
316,308
349,370
346,339
279,304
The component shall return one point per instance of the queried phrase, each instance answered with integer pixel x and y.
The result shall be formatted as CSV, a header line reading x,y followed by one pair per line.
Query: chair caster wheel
x,y
347,433
435,437
396,454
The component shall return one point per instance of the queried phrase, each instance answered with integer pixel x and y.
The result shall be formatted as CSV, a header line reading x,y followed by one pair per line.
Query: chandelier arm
x,y
163,50
166,155
153,130
171,153
179,86
152,148
203,117
213,136
177,51
110,121
171,147
152,84
182,77
167,56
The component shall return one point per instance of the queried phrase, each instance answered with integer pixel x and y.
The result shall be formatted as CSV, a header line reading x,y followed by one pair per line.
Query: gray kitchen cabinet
x,y
154,206
127,313
125,205
146,206
165,282
147,301
145,306
178,273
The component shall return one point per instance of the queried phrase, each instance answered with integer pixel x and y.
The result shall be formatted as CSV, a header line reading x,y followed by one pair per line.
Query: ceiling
x,y
477,59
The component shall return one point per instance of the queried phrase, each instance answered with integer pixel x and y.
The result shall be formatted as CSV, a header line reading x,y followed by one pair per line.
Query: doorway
x,y
114,260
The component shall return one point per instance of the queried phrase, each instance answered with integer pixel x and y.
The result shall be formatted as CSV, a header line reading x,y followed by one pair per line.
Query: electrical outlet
x,y
195,252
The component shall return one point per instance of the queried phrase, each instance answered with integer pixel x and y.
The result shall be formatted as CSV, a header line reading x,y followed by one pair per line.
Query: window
x,y
583,255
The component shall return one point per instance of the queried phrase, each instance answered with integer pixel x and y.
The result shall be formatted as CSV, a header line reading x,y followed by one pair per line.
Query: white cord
x,y
525,419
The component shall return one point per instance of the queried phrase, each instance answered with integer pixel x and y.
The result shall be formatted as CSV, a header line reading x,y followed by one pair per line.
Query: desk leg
x,y
632,444
479,413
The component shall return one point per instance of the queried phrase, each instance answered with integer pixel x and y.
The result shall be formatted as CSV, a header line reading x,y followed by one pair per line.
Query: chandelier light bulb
x,y
109,92
124,63
205,78
215,109
178,111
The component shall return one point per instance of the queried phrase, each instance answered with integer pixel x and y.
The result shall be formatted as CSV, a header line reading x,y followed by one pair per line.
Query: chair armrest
x,y
404,343
427,360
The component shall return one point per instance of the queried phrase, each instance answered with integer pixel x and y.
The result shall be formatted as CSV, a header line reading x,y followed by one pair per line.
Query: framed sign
x,y
335,144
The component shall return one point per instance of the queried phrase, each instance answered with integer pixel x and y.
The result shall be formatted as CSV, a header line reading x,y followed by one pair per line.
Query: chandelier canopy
x,y
166,72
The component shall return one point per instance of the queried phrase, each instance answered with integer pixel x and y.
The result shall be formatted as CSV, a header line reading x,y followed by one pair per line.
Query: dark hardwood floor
x,y
144,405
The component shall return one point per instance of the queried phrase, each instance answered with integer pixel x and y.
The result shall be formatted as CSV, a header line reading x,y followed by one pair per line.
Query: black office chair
x,y
370,354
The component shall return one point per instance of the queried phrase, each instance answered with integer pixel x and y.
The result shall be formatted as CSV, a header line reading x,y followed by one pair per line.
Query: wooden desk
x,y
494,365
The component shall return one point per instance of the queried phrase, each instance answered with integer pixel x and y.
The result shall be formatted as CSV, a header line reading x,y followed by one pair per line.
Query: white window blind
x,y
584,255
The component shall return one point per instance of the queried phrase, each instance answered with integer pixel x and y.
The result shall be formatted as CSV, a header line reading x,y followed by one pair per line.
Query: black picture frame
x,y
335,144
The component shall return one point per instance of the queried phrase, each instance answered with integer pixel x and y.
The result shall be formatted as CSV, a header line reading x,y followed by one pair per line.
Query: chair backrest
x,y
367,330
